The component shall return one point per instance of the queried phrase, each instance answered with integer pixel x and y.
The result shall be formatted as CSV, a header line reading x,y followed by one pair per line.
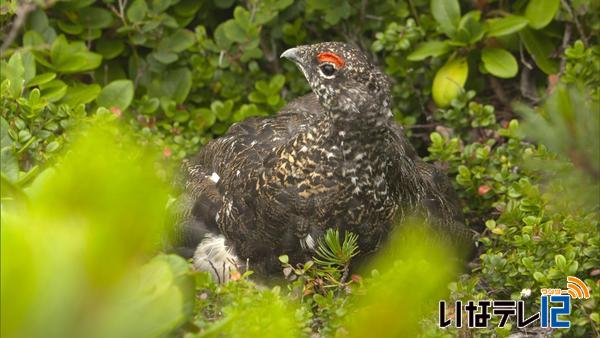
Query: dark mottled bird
x,y
334,158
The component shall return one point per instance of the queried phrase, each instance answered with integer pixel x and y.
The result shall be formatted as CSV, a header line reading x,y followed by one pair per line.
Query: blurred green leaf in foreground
x,y
411,274
73,243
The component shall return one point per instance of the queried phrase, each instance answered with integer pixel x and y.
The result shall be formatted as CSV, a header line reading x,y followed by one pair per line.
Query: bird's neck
x,y
341,129
357,122
356,110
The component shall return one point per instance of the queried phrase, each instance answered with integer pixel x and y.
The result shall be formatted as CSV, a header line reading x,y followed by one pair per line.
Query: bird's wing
x,y
230,165
437,196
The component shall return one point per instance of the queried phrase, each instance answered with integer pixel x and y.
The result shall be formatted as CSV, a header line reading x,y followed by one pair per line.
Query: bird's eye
x,y
327,69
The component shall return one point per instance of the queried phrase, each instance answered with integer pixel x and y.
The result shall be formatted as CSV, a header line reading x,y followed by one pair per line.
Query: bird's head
x,y
342,78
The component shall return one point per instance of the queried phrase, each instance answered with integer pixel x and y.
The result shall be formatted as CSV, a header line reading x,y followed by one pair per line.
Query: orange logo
x,y
576,288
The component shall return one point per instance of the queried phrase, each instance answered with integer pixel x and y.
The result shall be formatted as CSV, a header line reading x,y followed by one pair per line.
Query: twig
x,y
565,43
414,12
499,91
522,56
20,16
363,11
525,86
374,17
118,13
567,6
421,126
215,270
122,6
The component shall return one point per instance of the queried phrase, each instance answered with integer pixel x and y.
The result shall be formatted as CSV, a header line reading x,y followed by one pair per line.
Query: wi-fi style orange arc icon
x,y
577,289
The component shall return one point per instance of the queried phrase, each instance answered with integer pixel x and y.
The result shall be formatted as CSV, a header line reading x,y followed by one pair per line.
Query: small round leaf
x,y
499,62
118,94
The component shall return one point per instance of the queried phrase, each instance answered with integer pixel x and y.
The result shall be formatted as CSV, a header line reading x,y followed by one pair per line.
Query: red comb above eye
x,y
331,57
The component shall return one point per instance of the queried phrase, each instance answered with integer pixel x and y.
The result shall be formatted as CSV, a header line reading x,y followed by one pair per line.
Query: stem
x,y
565,43
499,91
26,145
567,6
413,11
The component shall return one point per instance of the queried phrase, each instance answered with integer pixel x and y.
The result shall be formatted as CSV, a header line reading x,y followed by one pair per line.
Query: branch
x,y
413,11
525,86
567,6
20,17
565,43
499,91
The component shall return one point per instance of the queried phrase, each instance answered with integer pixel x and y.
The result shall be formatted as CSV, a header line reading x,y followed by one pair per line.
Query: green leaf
x,y
470,30
499,62
276,83
69,27
32,38
166,293
137,11
449,81
5,139
53,91
148,105
29,68
221,39
541,12
118,94
447,14
37,21
506,25
242,17
187,8
95,18
174,84
540,48
110,48
72,57
159,6
222,110
180,40
81,94
429,48
41,79
203,118
284,259
76,4
91,34
9,166
333,11
14,71
52,146
164,56
561,261
234,32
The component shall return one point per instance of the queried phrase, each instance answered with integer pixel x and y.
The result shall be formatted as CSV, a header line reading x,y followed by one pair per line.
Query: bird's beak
x,y
292,54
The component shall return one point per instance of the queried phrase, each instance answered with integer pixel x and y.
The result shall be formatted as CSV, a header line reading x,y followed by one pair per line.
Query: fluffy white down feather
x,y
213,256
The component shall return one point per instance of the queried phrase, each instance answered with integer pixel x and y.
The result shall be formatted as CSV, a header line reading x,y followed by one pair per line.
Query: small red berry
x,y
117,111
483,189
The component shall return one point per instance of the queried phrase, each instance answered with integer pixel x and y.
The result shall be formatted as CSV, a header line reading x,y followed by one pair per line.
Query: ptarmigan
x,y
334,158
